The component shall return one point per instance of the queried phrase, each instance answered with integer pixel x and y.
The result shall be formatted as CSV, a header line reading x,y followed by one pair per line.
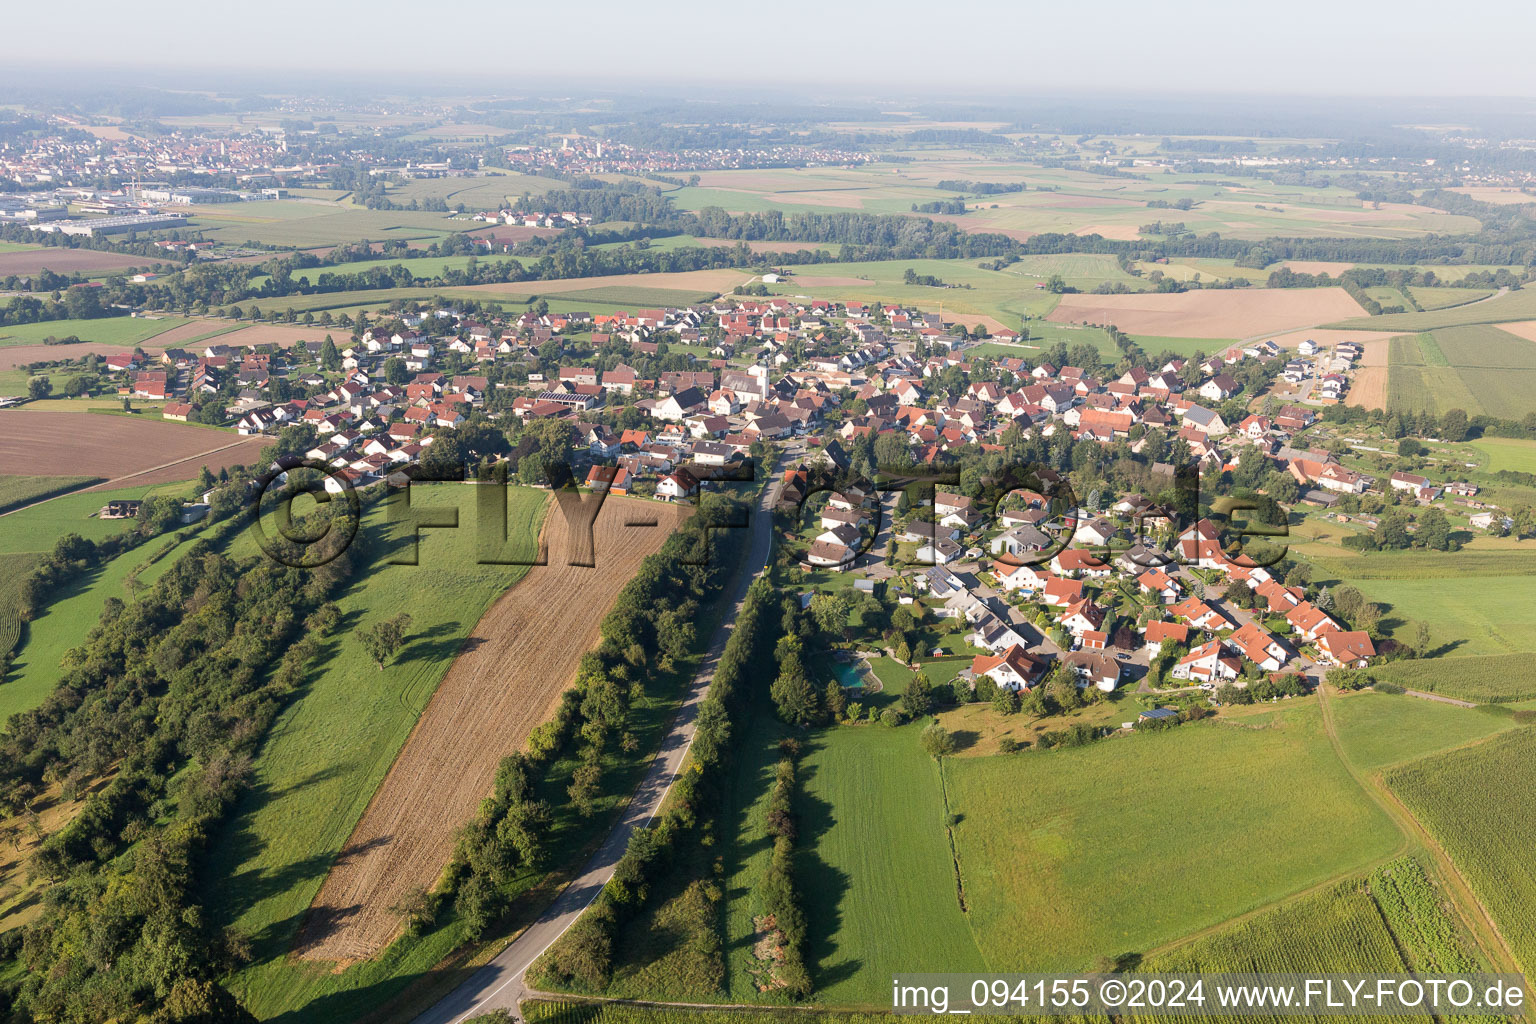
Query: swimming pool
x,y
850,674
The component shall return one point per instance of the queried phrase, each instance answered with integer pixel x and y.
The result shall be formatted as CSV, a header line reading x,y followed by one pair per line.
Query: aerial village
x,y
664,403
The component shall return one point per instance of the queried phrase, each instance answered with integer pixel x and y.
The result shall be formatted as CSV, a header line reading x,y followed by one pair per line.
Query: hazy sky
x,y
1371,47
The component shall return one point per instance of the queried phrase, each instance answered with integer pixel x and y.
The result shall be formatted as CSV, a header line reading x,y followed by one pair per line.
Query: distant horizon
x,y
977,48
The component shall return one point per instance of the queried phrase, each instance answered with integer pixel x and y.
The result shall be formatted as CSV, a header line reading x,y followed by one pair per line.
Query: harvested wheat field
x,y
1123,232
178,336
276,334
1223,313
67,261
1525,329
122,449
507,679
1368,388
972,319
1494,194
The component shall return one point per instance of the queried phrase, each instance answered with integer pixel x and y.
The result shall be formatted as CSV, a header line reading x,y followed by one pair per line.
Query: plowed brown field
x,y
66,261
506,680
125,450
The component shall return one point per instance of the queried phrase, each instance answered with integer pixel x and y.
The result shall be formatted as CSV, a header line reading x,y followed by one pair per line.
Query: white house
x,y
1208,663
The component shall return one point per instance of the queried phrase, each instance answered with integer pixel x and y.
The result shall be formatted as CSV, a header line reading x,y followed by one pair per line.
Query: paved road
x,y
499,984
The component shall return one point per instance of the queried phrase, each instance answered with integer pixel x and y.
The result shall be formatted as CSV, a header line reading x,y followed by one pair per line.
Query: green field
x,y
14,567
16,491
874,865
1480,803
330,749
76,608
490,192
1188,348
1490,678
1138,840
1064,200
1477,604
1472,613
39,527
632,296
1507,453
1380,729
1443,298
1477,368
1515,306
1006,295
116,330
422,266
291,222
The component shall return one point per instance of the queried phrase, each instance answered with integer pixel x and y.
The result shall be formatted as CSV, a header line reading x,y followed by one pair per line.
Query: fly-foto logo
x,y
322,532
1178,530
950,503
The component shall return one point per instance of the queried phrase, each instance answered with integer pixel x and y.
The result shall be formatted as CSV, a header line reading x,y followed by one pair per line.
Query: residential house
x,y
1160,631
1158,584
1309,621
1348,648
1259,647
1199,614
1208,663
1014,669
678,484
1094,669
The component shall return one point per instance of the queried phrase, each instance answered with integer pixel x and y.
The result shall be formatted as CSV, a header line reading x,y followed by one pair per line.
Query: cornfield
x,y
10,630
1485,678
1480,803
1365,926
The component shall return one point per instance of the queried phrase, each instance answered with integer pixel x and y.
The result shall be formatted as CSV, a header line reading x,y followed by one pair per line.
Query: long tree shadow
x,y
273,940
823,888
439,643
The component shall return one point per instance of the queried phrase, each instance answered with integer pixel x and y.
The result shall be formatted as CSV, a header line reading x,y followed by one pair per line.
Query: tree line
x,y
169,697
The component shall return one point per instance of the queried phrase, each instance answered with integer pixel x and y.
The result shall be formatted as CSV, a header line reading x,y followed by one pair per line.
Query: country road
x,y
499,984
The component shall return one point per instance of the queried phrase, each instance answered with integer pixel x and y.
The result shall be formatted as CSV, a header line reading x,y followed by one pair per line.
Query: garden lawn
x,y
1133,841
